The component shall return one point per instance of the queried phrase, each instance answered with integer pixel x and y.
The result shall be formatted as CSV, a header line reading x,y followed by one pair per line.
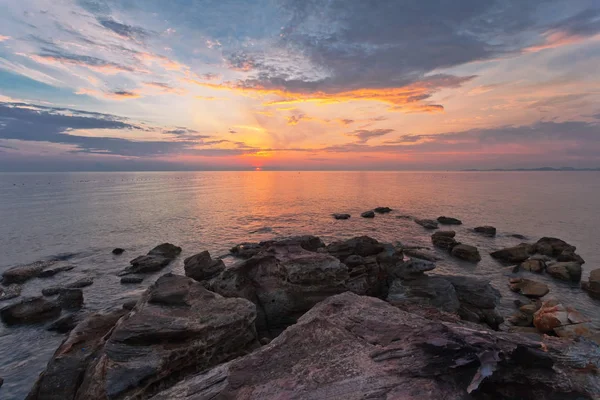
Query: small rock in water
x,y
70,298
444,240
1,381
131,279
36,309
421,254
156,259
341,216
518,236
528,287
449,221
53,271
427,223
23,273
81,283
553,316
552,247
264,229
368,214
118,251
382,210
202,267
592,286
486,230
466,252
566,271
515,254
12,291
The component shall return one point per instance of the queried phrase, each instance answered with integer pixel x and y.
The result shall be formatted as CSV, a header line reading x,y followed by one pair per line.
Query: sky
x,y
298,85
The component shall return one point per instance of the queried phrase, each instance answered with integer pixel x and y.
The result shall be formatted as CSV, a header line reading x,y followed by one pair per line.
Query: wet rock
x,y
382,210
23,273
10,292
351,347
53,271
427,223
449,221
1,381
363,246
515,254
486,230
81,283
65,324
190,329
521,319
70,299
553,315
368,214
532,265
592,286
129,305
421,254
466,252
444,240
552,247
412,269
31,310
566,271
425,290
66,369
128,280
118,251
528,287
518,236
570,255
156,259
246,250
341,216
202,267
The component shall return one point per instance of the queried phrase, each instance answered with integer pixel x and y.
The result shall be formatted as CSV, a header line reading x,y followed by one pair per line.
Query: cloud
x,y
111,95
124,30
345,121
364,135
4,38
93,63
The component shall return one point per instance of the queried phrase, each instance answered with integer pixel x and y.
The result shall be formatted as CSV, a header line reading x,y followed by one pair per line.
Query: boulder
x,y
570,255
592,286
449,221
466,252
177,328
532,265
528,287
65,324
81,283
444,240
202,267
382,210
368,214
156,259
486,230
23,273
118,251
566,271
341,216
127,280
515,254
552,247
355,348
30,310
53,271
427,223
70,299
553,315
363,246
10,292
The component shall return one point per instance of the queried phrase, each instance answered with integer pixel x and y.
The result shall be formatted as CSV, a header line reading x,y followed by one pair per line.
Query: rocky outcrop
x,y
31,310
382,210
592,286
341,216
10,292
351,347
449,221
427,223
201,266
362,246
528,287
515,254
565,271
444,240
486,230
368,214
466,252
156,259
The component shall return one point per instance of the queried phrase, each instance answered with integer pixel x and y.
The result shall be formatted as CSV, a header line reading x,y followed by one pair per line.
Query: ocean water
x,y
82,216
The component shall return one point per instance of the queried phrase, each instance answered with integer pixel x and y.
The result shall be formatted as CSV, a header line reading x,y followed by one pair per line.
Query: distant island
x,y
532,169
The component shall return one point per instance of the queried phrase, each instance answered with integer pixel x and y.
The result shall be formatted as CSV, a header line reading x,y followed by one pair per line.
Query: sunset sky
x,y
289,84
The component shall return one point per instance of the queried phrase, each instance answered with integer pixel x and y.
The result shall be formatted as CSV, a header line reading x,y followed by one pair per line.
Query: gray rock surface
x,y
529,288
202,267
566,271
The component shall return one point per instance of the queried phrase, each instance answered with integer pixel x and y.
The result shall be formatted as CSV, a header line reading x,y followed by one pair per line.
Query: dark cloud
x,y
584,23
345,121
364,135
124,30
81,60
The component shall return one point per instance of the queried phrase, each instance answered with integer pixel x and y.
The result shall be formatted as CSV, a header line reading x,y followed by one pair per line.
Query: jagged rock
x,y
368,214
592,286
67,367
13,290
466,252
427,223
449,221
118,251
31,310
533,265
566,271
53,271
552,247
70,299
382,210
341,216
65,324
528,287
23,273
444,240
421,254
514,254
81,283
177,328
202,267
486,230
156,259
553,315
362,246
350,347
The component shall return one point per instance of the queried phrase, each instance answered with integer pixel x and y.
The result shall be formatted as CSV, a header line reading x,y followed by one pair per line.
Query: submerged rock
x,y
118,251
81,283
368,214
31,310
592,286
515,254
466,252
53,271
427,223
382,210
486,230
341,216
23,273
528,287
201,266
156,259
449,221
10,292
566,271
351,347
127,280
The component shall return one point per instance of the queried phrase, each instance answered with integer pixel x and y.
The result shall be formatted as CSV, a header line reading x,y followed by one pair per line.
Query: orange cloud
x,y
165,88
165,62
4,38
554,39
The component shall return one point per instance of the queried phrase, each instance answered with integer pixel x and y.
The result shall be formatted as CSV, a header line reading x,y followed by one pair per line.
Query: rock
x,y
129,305
592,286
425,290
514,254
53,271
521,319
427,223
65,324
518,236
566,271
421,254
307,242
351,347
486,230
444,240
81,283
156,259
530,308
382,210
246,250
363,246
202,267
118,251
412,269
177,328
553,315
552,247
67,367
23,273
528,287
1,381
466,252
341,216
533,265
70,299
126,280
30,310
10,292
404,217
570,255
368,214
449,221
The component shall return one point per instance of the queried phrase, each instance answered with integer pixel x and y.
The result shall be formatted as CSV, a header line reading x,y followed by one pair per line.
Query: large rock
x,y
466,252
444,240
566,271
515,254
427,223
201,266
528,287
592,286
31,310
355,348
449,221
552,247
486,230
177,328
156,259
426,290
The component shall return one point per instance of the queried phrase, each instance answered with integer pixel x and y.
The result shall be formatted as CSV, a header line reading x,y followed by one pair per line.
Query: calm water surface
x,y
88,214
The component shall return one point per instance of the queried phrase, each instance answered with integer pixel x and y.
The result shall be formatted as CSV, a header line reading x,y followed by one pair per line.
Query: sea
x,y
80,217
